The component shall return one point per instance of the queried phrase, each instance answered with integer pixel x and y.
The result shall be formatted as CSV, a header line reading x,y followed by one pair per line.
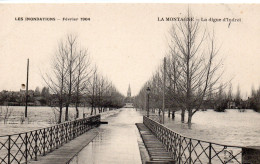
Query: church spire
x,y
129,91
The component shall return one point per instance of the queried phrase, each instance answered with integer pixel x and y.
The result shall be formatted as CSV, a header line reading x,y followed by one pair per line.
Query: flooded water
x,y
38,117
116,142
231,127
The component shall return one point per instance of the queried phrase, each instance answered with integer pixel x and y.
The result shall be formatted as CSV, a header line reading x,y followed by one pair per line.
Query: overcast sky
x,y
126,41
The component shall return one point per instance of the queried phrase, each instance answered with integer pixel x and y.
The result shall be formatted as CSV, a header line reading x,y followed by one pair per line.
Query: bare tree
x,y
101,93
56,80
195,52
70,80
172,72
230,94
253,91
91,90
139,100
83,75
71,71
238,95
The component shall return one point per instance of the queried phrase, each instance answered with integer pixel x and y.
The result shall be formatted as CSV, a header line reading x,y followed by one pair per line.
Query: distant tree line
x,y
220,99
254,100
43,97
17,98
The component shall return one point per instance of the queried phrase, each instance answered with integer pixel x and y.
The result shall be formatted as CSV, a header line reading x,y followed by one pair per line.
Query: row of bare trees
x,y
192,74
254,100
75,80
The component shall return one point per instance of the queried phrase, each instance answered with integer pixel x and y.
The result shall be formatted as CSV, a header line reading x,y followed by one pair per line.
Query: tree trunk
x,y
60,115
169,113
67,113
182,115
92,110
189,118
173,114
77,110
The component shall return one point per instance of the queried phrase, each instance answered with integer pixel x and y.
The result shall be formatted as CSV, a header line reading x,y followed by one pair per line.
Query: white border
x,y
132,1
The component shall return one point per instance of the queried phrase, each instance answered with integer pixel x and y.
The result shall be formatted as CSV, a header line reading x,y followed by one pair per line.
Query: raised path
x,y
66,152
116,142
156,150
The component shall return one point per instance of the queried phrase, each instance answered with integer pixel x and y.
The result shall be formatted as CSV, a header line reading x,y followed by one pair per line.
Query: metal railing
x,y
187,150
22,147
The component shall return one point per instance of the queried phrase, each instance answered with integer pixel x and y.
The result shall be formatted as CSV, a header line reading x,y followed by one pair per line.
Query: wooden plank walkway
x,y
66,152
156,150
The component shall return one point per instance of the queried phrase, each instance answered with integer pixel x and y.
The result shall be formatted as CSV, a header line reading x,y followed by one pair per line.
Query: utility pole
x,y
164,79
26,94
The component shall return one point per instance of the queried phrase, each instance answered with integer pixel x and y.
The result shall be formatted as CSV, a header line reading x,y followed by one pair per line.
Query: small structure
x,y
231,104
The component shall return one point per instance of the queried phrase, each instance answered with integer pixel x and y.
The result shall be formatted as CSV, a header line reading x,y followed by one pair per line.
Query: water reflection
x,y
116,142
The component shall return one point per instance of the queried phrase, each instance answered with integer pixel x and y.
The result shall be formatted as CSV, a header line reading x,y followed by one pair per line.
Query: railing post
x,y
88,124
91,122
57,136
180,150
26,147
73,130
84,125
251,154
210,153
77,128
35,145
51,138
190,151
9,149
175,147
62,134
70,131
66,132
81,129
44,141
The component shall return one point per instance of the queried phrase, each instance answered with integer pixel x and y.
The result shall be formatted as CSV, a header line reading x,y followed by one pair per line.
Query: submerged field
x,y
38,117
231,127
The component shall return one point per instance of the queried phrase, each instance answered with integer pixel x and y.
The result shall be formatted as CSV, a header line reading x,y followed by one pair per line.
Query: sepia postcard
x,y
129,83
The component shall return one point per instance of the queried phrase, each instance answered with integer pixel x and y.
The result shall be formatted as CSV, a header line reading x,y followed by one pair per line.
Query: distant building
x,y
129,99
231,104
129,91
